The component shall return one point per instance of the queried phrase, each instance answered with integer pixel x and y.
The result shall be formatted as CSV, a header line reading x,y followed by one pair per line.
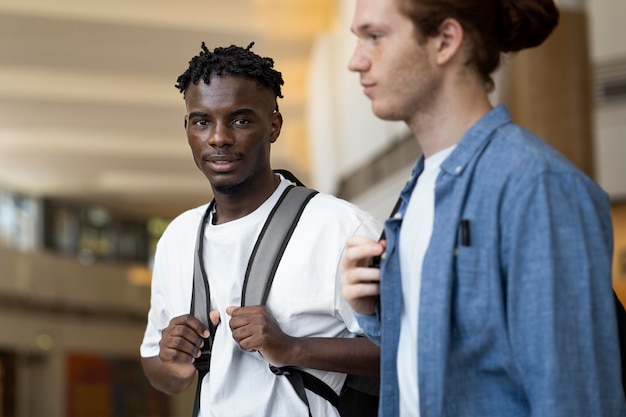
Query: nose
x,y
220,136
358,62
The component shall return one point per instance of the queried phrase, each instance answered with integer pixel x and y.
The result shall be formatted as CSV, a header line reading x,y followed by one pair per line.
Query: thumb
x,y
214,316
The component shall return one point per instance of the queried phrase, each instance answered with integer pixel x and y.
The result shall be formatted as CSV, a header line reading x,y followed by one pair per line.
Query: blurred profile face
x,y
396,69
230,125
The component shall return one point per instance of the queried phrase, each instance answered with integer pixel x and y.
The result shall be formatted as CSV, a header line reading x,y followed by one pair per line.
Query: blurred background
x,y
94,161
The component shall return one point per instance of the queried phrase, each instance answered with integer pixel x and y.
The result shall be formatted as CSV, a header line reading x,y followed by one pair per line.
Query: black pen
x,y
464,231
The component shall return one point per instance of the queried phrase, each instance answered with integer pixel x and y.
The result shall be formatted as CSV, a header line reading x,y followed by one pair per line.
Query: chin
x,y
388,114
226,189
384,108
227,185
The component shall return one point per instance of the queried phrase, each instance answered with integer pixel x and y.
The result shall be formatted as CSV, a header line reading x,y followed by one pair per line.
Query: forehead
x,y
374,13
224,91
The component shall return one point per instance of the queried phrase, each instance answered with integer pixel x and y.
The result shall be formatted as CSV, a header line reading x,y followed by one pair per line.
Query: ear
x,y
449,41
277,124
186,120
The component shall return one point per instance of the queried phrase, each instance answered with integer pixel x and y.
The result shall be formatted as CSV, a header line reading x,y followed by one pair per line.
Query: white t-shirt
x,y
305,299
417,227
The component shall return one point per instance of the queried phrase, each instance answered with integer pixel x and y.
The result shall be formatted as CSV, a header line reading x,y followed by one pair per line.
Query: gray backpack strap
x,y
264,261
200,308
271,244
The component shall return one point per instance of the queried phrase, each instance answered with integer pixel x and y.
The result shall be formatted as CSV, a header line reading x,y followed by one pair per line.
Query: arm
x,y
161,377
254,329
560,308
173,370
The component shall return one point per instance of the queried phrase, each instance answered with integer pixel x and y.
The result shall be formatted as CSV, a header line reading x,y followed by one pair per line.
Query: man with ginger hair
x,y
493,297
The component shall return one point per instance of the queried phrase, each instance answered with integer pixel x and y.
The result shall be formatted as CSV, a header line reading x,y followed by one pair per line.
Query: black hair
x,y
232,61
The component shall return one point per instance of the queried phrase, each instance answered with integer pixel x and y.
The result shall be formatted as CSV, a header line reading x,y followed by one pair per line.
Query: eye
x,y
200,122
374,37
240,122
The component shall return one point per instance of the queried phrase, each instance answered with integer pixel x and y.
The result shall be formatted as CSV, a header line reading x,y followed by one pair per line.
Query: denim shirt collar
x,y
474,140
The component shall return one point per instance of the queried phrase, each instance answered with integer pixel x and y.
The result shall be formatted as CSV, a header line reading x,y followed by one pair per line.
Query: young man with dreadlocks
x,y
231,122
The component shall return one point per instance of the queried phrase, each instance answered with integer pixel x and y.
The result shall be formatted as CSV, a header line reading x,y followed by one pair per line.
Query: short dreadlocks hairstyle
x,y
232,61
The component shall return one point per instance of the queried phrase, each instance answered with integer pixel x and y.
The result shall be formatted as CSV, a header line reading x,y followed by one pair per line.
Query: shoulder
x,y
518,152
529,169
332,206
497,141
182,225
328,215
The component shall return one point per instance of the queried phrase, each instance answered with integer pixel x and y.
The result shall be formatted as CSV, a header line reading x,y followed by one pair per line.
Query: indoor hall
x,y
94,162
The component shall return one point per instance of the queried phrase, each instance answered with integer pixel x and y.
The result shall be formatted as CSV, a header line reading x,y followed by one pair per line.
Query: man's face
x,y
230,124
397,71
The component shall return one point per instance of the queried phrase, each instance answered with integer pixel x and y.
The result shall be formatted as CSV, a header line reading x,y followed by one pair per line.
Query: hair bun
x,y
527,23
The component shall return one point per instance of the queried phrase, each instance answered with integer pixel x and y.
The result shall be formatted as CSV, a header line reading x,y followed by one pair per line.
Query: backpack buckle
x,y
279,371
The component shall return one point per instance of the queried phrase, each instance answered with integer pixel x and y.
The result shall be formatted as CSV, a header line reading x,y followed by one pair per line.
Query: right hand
x,y
361,283
181,342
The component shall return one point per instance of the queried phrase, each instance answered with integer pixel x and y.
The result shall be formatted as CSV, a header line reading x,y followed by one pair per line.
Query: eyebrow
x,y
197,114
369,27
238,112
242,112
361,28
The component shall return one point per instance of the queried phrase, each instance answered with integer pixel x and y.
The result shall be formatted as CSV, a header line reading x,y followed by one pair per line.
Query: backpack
x,y
621,331
359,395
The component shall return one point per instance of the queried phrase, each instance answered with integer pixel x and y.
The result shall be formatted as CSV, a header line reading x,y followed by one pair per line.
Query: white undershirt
x,y
415,233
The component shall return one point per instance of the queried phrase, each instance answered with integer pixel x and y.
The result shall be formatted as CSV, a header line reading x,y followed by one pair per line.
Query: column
x,y
549,91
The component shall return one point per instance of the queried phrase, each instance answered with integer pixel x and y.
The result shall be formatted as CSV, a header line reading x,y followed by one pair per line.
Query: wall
x,y
52,308
608,53
343,130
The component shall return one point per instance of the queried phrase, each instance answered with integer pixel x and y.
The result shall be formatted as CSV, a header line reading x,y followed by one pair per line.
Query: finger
x,y
357,276
245,316
214,316
192,323
360,255
179,349
243,335
361,289
247,343
363,274
238,317
359,241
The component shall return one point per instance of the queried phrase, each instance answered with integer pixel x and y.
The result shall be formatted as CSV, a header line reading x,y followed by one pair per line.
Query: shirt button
x,y
397,216
383,255
458,169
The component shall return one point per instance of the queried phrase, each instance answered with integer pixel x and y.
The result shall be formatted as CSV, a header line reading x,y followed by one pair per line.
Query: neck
x,y
449,118
251,196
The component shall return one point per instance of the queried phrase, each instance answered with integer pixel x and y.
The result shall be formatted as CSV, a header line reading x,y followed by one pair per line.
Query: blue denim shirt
x,y
520,322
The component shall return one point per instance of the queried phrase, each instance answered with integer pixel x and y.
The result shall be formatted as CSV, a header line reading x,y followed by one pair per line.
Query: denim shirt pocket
x,y
471,291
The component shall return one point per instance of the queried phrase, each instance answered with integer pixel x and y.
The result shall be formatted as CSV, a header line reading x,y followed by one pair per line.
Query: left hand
x,y
256,330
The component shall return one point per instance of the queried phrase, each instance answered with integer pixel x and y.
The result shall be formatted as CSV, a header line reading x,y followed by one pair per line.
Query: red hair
x,y
492,27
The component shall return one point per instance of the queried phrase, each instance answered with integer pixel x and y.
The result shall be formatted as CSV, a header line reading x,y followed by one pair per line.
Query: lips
x,y
221,163
368,88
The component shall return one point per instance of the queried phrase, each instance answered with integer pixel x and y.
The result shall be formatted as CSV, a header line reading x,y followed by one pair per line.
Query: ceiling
x,y
88,108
